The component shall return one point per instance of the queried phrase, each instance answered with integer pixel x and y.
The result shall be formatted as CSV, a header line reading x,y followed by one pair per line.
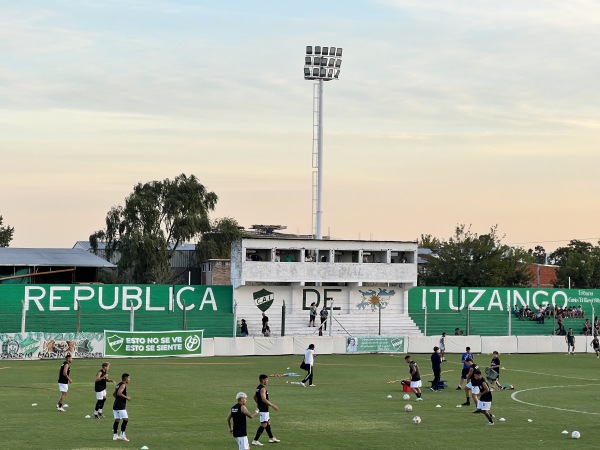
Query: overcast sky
x,y
446,112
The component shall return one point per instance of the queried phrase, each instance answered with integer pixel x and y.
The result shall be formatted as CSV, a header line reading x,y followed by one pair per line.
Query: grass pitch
x,y
182,403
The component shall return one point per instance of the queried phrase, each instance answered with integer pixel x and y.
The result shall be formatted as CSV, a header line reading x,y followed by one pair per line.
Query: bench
x,y
441,385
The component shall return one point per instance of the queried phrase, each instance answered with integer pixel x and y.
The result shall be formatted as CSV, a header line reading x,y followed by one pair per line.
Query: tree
x,y
469,260
539,254
157,217
6,234
579,265
216,243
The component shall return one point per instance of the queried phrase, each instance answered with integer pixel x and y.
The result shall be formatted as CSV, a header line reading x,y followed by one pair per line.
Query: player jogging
x,y
484,405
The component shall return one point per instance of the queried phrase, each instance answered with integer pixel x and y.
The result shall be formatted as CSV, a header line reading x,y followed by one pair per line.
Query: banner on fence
x,y
448,299
33,345
377,344
153,344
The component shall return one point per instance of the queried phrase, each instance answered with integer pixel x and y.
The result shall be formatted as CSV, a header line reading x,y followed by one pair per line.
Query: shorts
x,y
264,416
415,384
242,442
101,395
484,406
120,414
474,390
442,348
465,372
63,387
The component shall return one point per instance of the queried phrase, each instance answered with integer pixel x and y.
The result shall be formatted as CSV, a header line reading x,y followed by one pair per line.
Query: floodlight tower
x,y
321,64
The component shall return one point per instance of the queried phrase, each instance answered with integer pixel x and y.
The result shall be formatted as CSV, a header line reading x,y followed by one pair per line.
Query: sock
x,y
268,428
115,427
418,395
258,433
60,405
123,426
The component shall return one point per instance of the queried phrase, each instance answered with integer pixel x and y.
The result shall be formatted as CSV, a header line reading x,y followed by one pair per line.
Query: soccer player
x,y
415,377
484,405
119,408
570,340
465,370
100,388
443,346
595,344
261,397
64,378
470,389
495,366
238,414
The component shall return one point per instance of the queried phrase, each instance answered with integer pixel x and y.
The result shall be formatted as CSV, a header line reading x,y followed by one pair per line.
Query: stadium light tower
x,y
321,64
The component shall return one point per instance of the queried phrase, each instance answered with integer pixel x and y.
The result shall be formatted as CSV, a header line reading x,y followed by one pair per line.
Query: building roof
x,y
55,257
102,246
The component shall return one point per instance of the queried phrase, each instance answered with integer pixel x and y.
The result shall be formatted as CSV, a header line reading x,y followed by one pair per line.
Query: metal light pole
x,y
321,64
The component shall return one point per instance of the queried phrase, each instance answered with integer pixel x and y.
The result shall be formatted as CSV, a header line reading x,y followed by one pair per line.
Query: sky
x,y
446,112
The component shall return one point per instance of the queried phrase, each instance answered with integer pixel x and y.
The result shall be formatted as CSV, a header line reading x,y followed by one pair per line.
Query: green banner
x,y
448,299
153,344
92,308
376,344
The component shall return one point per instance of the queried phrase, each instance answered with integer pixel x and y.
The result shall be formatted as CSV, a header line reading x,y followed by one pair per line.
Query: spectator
x,y
458,332
244,328
540,315
518,313
561,330
267,331
265,323
587,328
580,312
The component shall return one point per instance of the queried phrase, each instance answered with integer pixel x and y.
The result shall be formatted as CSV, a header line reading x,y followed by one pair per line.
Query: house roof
x,y
55,257
102,246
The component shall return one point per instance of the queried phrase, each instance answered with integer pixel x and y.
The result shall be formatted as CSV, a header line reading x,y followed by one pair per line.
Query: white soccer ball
x,y
408,408
575,435
406,397
416,420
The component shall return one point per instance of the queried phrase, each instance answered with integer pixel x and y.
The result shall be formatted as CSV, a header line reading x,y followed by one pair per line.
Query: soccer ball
x,y
406,397
575,435
408,408
416,420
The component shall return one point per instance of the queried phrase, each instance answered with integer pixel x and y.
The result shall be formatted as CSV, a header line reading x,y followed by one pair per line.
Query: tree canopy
x,y
6,234
467,259
578,265
157,218
216,243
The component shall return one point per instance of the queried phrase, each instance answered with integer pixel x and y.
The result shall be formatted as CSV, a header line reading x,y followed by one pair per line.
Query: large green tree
x,y
578,265
470,260
216,243
158,216
6,234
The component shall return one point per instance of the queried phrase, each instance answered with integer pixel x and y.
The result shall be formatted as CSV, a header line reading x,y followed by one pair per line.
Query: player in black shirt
x,y
238,414
469,391
484,405
100,388
261,397
415,377
495,366
64,378
119,408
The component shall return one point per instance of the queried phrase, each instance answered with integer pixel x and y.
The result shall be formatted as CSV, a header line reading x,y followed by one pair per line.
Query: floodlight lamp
x,y
331,51
325,50
337,74
330,73
316,72
331,62
323,72
309,49
317,50
338,63
338,52
323,61
307,61
306,72
317,61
